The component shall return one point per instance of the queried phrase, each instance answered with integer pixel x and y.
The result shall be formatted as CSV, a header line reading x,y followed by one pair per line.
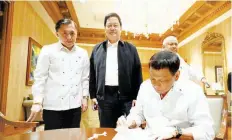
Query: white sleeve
x,y
200,118
41,75
85,76
195,74
136,112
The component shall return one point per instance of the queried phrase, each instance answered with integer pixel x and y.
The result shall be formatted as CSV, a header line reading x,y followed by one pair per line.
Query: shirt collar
x,y
112,44
62,48
177,88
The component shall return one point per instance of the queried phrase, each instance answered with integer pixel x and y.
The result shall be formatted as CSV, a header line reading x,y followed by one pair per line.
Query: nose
x,y
112,27
68,36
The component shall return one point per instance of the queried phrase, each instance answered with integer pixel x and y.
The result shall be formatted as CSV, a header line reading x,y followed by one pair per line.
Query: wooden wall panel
x,y
192,50
210,61
26,23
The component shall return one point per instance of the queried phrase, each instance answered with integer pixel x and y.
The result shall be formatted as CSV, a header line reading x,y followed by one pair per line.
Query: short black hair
x,y
64,21
165,59
112,15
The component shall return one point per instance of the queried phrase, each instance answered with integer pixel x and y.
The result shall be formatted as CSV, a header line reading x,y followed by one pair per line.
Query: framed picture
x,y
219,74
33,53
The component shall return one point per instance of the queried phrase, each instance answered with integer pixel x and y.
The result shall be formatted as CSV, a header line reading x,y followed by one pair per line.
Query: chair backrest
x,y
9,127
218,110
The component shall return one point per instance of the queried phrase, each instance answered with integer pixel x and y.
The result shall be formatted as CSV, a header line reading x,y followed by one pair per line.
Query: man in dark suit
x,y
115,74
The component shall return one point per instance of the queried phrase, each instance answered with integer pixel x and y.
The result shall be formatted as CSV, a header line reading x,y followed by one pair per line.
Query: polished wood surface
x,y
65,134
69,134
9,127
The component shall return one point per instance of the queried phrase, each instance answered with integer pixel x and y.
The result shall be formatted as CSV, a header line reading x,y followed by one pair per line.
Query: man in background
x,y
115,74
61,82
186,71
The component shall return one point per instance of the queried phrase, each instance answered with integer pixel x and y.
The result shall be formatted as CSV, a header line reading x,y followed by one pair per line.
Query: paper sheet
x,y
132,134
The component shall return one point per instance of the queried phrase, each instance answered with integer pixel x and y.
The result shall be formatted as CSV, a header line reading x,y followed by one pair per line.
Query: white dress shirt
x,y
111,78
187,72
185,105
61,77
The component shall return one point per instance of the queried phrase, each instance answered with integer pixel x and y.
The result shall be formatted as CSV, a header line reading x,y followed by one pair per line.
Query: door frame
x,y
6,50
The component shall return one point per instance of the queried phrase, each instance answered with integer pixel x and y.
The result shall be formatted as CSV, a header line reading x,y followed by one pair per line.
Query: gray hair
x,y
169,39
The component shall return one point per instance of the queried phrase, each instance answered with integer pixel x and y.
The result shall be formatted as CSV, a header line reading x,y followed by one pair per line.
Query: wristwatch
x,y
178,131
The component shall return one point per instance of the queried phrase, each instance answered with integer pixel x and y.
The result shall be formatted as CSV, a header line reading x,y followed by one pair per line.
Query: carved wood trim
x,y
204,21
6,49
211,37
53,10
187,25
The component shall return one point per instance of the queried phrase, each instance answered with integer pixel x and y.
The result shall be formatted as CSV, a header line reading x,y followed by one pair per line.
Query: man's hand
x,y
84,105
122,121
203,80
165,133
133,103
207,85
35,110
95,104
143,124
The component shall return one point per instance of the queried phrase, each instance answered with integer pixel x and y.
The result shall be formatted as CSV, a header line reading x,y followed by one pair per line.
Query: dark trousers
x,y
62,119
111,108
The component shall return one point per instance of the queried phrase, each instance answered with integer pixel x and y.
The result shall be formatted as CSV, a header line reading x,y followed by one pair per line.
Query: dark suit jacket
x,y
129,71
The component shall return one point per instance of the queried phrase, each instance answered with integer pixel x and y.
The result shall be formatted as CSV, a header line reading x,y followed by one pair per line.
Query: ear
x,y
177,75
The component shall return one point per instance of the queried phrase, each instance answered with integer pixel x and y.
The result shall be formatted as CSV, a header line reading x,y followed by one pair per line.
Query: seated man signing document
x,y
171,107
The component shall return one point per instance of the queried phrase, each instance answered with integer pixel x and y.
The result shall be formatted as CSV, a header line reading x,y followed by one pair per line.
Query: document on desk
x,y
124,133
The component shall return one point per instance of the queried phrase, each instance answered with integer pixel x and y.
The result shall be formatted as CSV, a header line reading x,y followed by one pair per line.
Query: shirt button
x,y
63,72
62,85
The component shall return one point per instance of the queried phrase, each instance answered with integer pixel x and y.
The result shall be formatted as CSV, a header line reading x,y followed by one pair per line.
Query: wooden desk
x,y
67,134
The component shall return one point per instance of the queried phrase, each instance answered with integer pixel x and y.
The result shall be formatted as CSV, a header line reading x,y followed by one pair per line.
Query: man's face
x,y
113,29
172,45
162,80
67,34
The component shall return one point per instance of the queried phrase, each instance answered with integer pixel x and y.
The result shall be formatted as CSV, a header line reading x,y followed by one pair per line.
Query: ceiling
x,y
89,17
143,16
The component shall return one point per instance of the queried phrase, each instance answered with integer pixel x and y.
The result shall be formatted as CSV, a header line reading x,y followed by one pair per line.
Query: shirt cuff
x,y
38,99
138,121
198,133
85,92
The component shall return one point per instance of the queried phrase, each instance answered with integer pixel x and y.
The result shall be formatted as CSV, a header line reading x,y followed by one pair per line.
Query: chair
x,y
218,109
8,127
27,104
